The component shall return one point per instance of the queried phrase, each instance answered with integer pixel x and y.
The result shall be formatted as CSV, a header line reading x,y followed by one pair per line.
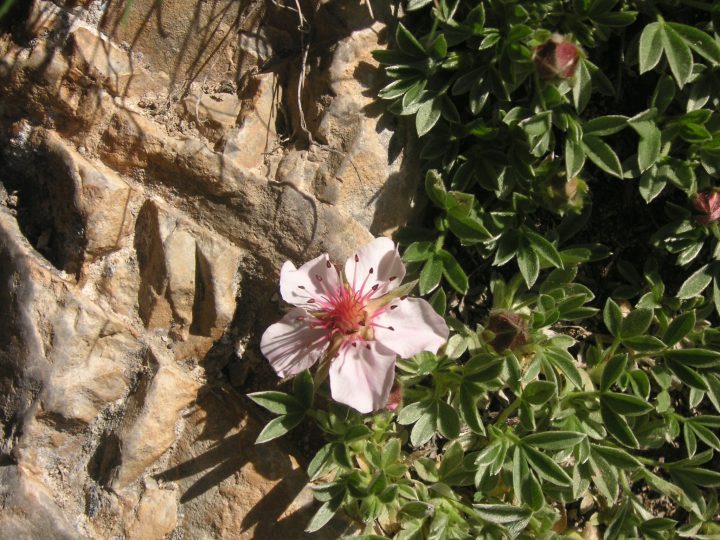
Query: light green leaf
x,y
696,283
277,402
698,41
650,47
554,440
277,427
677,53
427,116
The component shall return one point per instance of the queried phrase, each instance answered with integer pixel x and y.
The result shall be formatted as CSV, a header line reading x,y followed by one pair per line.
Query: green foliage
x,y
544,396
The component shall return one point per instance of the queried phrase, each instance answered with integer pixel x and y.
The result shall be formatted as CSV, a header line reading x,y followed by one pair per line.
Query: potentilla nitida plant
x,y
356,322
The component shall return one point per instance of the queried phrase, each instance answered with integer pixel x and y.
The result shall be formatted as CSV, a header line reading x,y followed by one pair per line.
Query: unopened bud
x,y
509,331
708,204
566,196
556,58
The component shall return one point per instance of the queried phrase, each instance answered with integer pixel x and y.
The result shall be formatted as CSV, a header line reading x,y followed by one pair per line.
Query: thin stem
x,y
508,411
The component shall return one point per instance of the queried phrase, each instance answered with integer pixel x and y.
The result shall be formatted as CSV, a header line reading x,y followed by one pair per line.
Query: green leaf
x,y
424,428
617,426
704,434
468,409
413,5
278,427
650,47
625,404
651,185
526,486
453,272
430,275
418,251
680,327
427,116
696,283
613,370
616,456
612,317
435,189
554,440
644,343
649,149
323,515
582,88
574,158
546,468
677,53
528,262
698,41
538,392
687,375
563,361
320,462
277,402
438,301
545,250
636,323
602,155
411,413
697,358
504,514
304,389
407,43
698,476
603,126
448,421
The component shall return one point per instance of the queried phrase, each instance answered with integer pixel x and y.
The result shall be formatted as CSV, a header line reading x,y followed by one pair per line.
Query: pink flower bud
x,y
556,58
708,204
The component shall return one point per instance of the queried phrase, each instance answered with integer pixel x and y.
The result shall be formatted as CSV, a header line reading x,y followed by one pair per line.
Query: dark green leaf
x,y
304,389
430,275
427,116
699,41
614,368
697,358
636,323
681,326
277,402
545,250
650,48
616,456
407,43
554,440
612,317
625,404
618,426
448,421
546,468
278,427
538,392
453,272
677,53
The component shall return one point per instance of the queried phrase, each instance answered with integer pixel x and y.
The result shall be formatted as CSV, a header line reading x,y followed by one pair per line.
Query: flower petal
x,y
377,263
361,377
292,345
310,285
410,326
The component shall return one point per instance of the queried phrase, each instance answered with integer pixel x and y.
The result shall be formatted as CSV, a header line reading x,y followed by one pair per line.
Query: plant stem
x,y
508,411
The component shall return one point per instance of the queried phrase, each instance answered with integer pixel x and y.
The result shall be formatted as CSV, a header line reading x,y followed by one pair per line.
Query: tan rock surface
x,y
155,173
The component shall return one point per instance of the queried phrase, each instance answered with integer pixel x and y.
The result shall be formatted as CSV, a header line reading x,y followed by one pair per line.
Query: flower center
x,y
346,314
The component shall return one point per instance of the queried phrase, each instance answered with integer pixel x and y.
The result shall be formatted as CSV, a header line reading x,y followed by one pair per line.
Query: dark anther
x,y
301,287
375,287
367,346
311,301
391,328
328,264
393,307
354,344
403,297
319,278
392,278
357,259
370,271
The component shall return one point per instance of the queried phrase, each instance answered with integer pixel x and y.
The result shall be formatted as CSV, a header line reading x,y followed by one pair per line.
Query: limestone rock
x,y
214,114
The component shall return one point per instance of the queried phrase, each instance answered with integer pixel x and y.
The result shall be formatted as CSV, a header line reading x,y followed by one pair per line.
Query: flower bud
x,y
565,196
708,204
509,331
556,58
395,398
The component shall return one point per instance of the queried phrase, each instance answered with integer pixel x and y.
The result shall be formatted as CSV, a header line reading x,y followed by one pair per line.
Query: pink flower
x,y
708,203
557,58
359,320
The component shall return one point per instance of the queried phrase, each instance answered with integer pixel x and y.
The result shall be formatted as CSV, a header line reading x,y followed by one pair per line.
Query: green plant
x,y
580,385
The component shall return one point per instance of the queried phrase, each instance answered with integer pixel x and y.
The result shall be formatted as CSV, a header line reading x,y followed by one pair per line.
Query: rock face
x,y
156,169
